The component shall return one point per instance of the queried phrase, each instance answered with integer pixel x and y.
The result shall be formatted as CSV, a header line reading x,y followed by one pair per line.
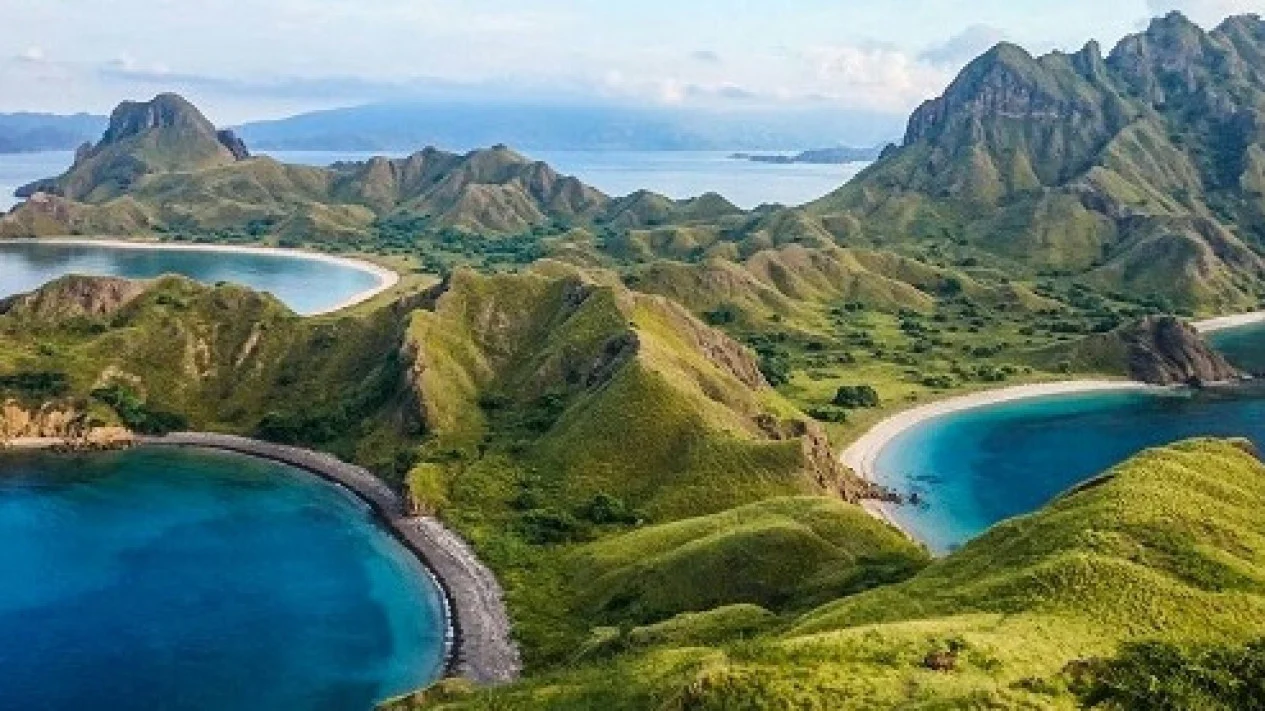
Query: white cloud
x,y
1207,12
877,77
32,54
964,46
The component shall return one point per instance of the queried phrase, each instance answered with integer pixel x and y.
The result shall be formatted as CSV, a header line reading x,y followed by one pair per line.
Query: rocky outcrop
x,y
233,143
74,296
165,134
165,111
820,463
56,424
1164,350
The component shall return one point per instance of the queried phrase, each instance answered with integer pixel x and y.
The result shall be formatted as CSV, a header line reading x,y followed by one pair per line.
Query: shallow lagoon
x,y
307,284
189,580
974,468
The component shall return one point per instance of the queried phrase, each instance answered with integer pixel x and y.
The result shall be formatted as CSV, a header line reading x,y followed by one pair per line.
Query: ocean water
x,y
304,284
1243,346
975,468
677,174
18,169
165,579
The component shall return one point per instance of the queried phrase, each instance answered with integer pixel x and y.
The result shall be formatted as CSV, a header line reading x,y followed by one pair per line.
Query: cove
x,y
1243,346
188,579
976,467
308,283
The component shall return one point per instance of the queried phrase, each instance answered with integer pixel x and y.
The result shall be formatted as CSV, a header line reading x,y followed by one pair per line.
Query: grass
x,y
1169,547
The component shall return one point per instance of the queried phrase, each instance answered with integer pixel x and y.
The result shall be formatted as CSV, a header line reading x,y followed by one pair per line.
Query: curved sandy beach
x,y
386,278
480,646
1225,323
862,455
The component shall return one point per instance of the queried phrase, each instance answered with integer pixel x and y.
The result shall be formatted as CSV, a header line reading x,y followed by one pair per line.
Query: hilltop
x,y
1132,172
504,403
162,167
1166,547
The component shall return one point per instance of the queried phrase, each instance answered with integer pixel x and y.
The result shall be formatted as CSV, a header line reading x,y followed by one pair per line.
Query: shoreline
x,y
479,645
387,278
1226,323
861,456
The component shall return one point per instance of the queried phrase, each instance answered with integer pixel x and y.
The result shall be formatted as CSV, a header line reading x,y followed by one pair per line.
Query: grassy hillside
x,y
1132,172
539,413
1169,546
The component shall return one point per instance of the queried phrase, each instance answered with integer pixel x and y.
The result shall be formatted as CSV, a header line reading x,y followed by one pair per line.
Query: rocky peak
x,y
166,114
1004,82
72,297
133,118
1170,59
1164,350
233,143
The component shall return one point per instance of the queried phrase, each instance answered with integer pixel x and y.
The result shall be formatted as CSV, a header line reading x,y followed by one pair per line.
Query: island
x,y
631,408
838,155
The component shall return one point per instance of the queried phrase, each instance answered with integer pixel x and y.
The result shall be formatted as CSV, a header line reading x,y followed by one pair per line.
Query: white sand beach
x,y
862,455
386,278
1224,323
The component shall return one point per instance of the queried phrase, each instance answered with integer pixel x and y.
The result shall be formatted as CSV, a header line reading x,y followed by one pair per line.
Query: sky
x,y
241,60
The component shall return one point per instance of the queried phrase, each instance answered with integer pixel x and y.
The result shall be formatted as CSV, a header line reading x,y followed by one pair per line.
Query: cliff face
x,y
1140,172
56,421
1164,350
73,296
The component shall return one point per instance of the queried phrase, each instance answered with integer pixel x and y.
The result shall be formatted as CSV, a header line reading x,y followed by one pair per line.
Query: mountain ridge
x,y
1133,171
161,165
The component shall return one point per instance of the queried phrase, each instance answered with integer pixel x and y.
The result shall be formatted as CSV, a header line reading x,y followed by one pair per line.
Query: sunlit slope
x,y
1170,545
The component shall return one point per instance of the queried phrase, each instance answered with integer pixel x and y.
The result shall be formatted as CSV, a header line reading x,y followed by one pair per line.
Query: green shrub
x,y
1162,675
550,526
135,414
605,509
856,396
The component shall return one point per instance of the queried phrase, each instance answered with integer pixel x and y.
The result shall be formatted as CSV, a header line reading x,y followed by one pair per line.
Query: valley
x,y
633,408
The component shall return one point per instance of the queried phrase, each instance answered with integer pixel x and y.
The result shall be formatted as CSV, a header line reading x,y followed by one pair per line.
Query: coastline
x,y
480,647
1225,323
862,455
386,278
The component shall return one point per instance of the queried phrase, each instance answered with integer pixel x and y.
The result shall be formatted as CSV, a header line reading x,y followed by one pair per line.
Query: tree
x,y
854,396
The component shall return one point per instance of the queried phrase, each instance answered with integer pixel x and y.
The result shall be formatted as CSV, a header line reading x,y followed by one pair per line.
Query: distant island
x,y
838,155
33,132
464,125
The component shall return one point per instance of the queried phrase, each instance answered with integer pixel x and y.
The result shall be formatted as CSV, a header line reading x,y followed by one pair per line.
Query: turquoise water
x,y
1243,346
168,579
977,467
305,285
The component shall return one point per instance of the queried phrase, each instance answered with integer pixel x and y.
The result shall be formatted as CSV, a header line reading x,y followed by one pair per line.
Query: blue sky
x,y
242,60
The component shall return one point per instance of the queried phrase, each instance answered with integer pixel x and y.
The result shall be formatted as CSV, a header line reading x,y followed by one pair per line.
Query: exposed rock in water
x,y
1164,350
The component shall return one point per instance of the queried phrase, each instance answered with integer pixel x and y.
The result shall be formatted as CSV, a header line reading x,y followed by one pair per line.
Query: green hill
x,y
1169,547
1134,172
537,412
162,167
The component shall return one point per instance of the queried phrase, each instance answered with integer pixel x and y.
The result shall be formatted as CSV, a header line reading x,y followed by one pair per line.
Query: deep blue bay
x,y
307,284
974,468
172,579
